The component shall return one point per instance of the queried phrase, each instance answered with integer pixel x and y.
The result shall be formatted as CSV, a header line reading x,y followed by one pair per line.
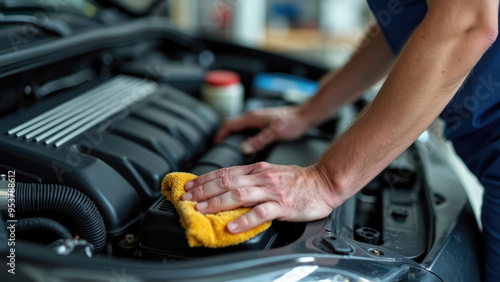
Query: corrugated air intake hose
x,y
66,202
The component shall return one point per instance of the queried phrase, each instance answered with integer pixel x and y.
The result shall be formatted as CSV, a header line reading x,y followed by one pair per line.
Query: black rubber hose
x,y
4,236
65,201
42,223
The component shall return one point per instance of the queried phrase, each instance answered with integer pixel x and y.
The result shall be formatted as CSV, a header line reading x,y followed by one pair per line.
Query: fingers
x,y
239,197
246,121
258,215
221,185
275,130
227,128
269,122
259,141
221,173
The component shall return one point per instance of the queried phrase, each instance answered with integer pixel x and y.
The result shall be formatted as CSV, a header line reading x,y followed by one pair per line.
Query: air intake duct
x,y
63,202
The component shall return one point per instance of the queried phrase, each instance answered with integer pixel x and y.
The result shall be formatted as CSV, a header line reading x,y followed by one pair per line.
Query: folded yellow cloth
x,y
204,230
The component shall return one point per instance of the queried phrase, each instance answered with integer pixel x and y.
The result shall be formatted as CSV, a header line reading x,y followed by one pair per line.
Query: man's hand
x,y
284,123
288,193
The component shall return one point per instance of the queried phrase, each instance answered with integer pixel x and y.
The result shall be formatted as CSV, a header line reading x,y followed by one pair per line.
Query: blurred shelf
x,y
306,39
311,45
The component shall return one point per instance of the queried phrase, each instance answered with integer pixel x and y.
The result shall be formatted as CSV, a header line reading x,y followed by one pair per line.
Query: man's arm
x,y
430,69
369,64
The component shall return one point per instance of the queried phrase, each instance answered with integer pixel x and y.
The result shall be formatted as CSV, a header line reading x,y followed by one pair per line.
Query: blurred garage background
x,y
321,31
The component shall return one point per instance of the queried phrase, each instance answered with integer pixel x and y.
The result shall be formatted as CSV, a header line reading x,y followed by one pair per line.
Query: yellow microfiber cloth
x,y
207,230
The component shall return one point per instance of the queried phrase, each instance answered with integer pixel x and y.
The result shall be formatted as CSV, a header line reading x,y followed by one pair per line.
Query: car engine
x,y
91,123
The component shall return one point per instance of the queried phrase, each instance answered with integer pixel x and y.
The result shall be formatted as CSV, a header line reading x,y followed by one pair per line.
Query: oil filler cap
x,y
367,235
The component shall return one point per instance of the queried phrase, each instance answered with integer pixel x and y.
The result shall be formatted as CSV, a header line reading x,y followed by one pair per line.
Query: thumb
x,y
258,142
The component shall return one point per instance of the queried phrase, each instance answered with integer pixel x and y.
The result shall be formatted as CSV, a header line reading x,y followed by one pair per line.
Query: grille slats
x,y
74,117
167,206
76,109
59,111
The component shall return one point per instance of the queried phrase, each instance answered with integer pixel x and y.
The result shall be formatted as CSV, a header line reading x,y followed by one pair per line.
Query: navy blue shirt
x,y
477,104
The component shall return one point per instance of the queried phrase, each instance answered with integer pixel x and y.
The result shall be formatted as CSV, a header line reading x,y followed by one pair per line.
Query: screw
x,y
376,252
27,90
129,238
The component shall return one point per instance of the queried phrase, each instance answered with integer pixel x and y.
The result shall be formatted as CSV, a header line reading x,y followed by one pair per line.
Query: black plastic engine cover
x,y
112,139
162,234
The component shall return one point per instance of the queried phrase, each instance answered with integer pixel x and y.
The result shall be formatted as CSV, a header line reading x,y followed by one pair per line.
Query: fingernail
x,y
231,226
188,185
247,149
202,206
187,197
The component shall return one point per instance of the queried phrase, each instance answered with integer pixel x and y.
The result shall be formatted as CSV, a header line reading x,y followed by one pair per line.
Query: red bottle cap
x,y
221,78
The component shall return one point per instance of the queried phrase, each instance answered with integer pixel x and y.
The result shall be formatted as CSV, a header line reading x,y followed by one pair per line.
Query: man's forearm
x,y
368,65
427,74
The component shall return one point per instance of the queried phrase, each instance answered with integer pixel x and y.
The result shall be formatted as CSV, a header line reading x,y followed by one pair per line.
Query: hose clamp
x,y
4,192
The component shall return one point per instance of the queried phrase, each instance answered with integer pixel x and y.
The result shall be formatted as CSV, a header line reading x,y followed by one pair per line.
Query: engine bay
x,y
96,120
